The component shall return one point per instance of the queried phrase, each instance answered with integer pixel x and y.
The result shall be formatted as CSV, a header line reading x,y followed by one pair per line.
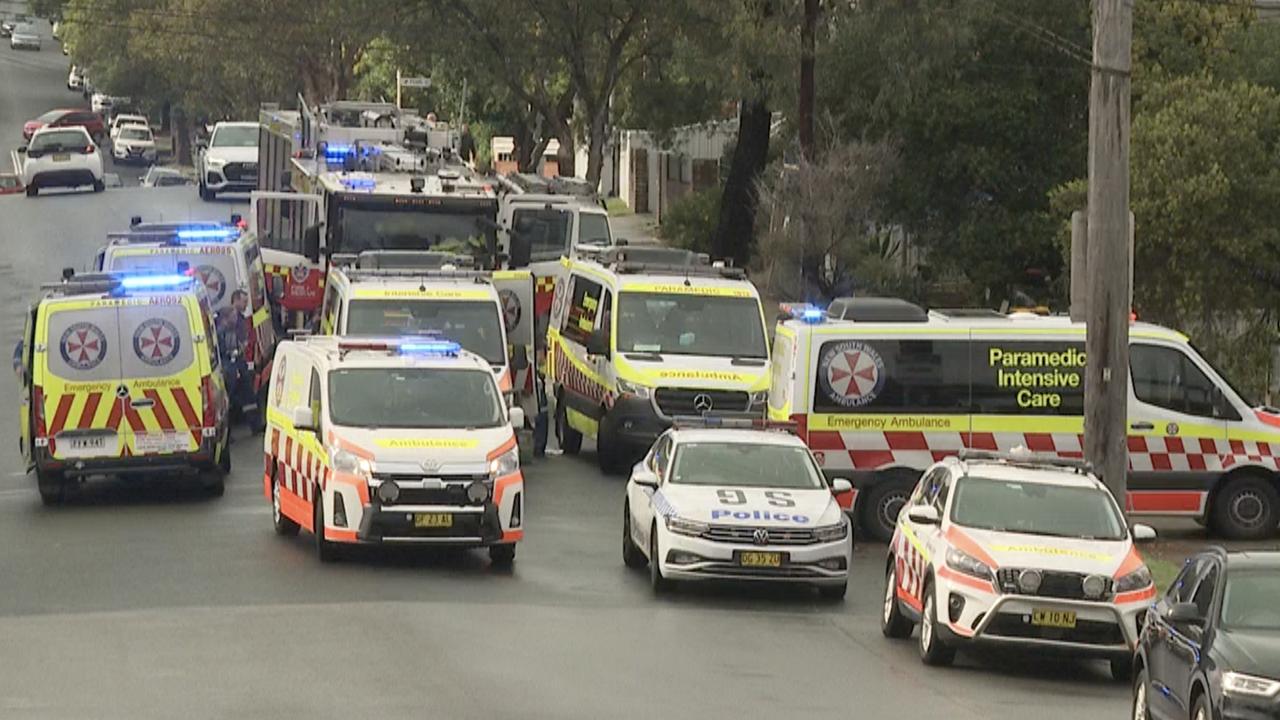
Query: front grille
x,y
1065,585
241,171
786,571
746,535
693,401
1088,632
454,491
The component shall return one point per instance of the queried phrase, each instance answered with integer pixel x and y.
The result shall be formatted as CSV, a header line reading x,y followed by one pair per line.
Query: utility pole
x,y
1107,338
808,29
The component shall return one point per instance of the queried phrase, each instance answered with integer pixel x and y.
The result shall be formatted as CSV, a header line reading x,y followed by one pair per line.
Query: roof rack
x,y
631,259
719,422
403,260
1022,457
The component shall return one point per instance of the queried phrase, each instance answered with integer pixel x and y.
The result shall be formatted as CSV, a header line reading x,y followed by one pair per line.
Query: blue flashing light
x,y
208,234
359,183
812,315
431,347
143,282
337,151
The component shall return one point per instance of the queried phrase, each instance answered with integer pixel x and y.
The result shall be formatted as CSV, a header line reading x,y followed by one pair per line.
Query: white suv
x,y
133,143
229,163
61,157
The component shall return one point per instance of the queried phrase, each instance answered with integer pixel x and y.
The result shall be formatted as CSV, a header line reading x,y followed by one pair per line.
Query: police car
x,y
392,440
1016,550
120,375
735,499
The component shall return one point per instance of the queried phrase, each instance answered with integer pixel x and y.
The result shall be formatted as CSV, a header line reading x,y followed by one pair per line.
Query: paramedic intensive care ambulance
x,y
882,389
392,440
223,256
120,376
640,335
385,293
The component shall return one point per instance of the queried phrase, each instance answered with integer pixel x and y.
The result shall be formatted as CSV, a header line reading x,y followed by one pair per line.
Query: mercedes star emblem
x,y
760,536
702,403
429,465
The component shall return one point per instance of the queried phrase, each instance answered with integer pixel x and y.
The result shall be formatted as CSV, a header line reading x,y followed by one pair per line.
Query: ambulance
x,y
222,255
640,335
381,293
881,389
392,440
120,376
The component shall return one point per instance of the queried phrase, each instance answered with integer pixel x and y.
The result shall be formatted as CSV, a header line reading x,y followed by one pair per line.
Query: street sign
x,y
415,82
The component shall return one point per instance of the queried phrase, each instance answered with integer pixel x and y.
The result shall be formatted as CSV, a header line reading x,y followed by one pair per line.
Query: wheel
x,y
32,190
610,453
1246,509
834,593
893,624
1122,669
206,193
631,555
660,584
224,456
933,651
501,556
99,185
880,513
325,550
53,488
284,526
1203,711
570,440
1141,710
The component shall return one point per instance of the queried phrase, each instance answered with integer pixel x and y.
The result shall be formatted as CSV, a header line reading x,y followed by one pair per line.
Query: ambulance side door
x,y
22,365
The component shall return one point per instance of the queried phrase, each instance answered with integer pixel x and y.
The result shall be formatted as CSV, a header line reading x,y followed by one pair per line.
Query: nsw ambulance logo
x,y
851,373
83,346
156,342
215,283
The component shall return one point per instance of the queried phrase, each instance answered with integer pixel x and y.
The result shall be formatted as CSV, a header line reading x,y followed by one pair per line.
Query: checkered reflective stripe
x,y
544,290
873,450
1154,454
300,470
910,568
568,375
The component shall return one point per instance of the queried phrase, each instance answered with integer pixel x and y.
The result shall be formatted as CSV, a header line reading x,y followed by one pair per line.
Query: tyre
x,y
893,624
1141,709
933,651
1122,669
1246,508
32,191
502,556
206,193
53,488
610,452
570,440
632,557
1203,711
886,498
834,593
660,584
283,525
99,186
224,456
325,550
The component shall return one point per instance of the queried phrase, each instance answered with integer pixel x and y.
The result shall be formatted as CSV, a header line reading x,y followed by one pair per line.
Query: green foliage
x,y
691,220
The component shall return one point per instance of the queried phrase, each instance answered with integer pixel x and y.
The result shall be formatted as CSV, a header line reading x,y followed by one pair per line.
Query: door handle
x,y
142,403
1142,425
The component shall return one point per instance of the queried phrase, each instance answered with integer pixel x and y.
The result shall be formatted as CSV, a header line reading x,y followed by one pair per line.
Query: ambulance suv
x,y
882,389
120,376
391,293
222,255
1016,551
392,440
640,335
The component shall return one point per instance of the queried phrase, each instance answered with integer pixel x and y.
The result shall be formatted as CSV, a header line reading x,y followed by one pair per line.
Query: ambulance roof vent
x,y
635,259
877,310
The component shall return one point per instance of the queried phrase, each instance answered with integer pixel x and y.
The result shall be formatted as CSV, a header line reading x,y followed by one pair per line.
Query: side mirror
x,y
1183,613
516,415
17,359
22,149
1143,533
519,358
277,288
311,243
840,486
642,475
923,515
202,144
520,252
303,419
598,343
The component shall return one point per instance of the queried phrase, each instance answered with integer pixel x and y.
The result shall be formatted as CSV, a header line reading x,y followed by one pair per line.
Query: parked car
x,y
24,37
165,177
123,119
75,117
75,78
1210,648
228,162
134,143
6,27
61,157
10,184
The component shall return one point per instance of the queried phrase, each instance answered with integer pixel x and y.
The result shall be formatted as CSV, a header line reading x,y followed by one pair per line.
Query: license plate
x,y
61,157
88,445
1053,618
433,520
760,559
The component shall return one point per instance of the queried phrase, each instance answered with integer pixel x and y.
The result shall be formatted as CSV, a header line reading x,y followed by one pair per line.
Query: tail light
x,y
209,401
37,410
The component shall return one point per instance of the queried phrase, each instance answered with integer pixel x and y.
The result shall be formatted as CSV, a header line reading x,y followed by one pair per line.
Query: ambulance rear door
x,y
216,265
516,295
77,379
161,378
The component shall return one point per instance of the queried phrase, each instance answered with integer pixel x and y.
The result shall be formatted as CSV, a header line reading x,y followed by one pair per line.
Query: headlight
x,y
215,162
630,388
1241,684
831,532
506,463
347,462
961,561
760,398
1136,580
680,526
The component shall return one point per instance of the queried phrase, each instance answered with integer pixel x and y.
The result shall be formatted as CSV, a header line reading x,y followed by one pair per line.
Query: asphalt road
x,y
152,601
32,83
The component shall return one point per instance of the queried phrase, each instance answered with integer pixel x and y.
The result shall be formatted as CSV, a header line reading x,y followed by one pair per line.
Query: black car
x,y
1210,648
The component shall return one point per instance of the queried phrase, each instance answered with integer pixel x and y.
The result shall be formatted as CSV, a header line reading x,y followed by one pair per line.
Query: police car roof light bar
x,y
1025,458
718,422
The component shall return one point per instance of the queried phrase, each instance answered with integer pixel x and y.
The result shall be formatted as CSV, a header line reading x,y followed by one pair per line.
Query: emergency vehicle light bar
x,y
141,282
811,314
731,423
404,346
1025,458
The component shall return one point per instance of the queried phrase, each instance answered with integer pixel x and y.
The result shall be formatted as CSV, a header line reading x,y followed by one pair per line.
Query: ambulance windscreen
x,y
475,325
443,398
689,324
1034,508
